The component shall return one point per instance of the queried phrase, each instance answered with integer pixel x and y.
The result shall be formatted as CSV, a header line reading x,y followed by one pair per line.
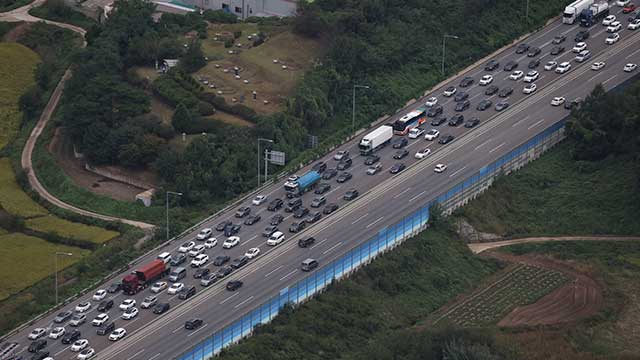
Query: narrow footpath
x,y
477,248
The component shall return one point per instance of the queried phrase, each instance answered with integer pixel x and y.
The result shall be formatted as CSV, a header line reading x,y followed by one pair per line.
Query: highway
x,y
383,200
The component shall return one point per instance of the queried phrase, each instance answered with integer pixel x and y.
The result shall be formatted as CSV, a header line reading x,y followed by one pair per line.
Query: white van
x,y
177,274
165,256
275,238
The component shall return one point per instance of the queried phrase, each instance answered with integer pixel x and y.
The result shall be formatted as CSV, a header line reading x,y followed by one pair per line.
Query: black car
x,y
435,111
534,51
502,105
114,288
221,260
456,120
344,164
313,217
534,63
300,213
269,230
344,177
582,36
71,337
240,262
37,345
484,105
510,66
371,159
63,317
570,104
187,293
330,208
222,225
234,285
506,91
105,305
306,242
462,106
275,204
446,139
232,230
252,219
401,154
224,271
200,273
107,328
178,259
396,168
161,308
318,201
243,211
559,38
400,143
319,166
557,50
466,81
472,123
322,188
329,173
461,96
492,89
491,65
293,205
634,15
193,324
351,194
297,226
40,355
522,48
439,120
276,219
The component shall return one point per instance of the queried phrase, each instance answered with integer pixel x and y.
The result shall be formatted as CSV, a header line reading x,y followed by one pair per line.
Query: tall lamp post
x,y
167,201
444,39
353,110
55,262
526,14
259,154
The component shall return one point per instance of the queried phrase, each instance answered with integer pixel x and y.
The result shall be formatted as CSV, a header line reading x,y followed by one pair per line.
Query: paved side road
x,y
477,248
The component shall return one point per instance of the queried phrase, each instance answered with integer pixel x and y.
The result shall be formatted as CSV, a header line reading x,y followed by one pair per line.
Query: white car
x,y
251,253
197,250
37,333
432,135
608,20
148,301
423,153
275,238
259,200
56,333
550,65
516,75
294,177
175,288
127,304
99,295
415,133
100,319
231,242
159,286
86,354
580,47
598,65
117,334
200,260
630,67
622,2
531,76
634,25
341,154
612,39
204,234
530,88
614,27
79,345
130,313
563,68
450,91
83,306
210,242
583,56
186,247
440,168
78,319
486,80
557,101
432,101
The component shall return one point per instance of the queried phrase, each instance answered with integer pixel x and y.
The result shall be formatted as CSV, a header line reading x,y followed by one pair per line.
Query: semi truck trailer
x,y
573,10
141,278
303,184
594,14
375,140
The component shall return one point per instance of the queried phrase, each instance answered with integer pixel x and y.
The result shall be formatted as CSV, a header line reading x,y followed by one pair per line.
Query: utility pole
x,y
444,38
55,261
167,198
353,102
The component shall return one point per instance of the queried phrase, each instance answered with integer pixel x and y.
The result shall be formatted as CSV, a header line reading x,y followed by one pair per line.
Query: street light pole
x,y
55,262
526,14
167,200
444,38
259,140
353,102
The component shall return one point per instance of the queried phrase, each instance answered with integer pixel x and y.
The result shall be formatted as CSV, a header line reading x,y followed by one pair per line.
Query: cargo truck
x,y
573,10
375,140
594,14
303,184
142,277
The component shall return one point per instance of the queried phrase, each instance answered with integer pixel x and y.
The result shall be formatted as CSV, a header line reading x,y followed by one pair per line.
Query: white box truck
x,y
375,140
573,10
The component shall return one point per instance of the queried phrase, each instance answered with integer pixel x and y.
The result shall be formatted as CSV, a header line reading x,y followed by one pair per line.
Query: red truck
x,y
141,278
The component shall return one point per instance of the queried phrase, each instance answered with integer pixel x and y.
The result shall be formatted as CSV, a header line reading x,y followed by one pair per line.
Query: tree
x,y
181,118
193,58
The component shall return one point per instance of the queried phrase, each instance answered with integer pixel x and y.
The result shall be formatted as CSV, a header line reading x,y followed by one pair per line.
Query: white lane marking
x,y
414,142
289,274
332,190
243,302
496,148
594,76
633,53
483,144
476,95
134,355
609,79
458,171
360,218
251,238
177,329
520,121
599,32
229,298
198,329
323,240
417,196
401,193
272,191
154,356
129,322
373,223
331,248
274,270
536,124
58,353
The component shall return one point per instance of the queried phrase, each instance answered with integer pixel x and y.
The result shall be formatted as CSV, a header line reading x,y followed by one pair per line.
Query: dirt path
x,y
477,248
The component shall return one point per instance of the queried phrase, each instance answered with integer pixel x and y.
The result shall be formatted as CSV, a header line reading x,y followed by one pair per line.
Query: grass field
x,y
12,198
71,230
17,65
28,259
